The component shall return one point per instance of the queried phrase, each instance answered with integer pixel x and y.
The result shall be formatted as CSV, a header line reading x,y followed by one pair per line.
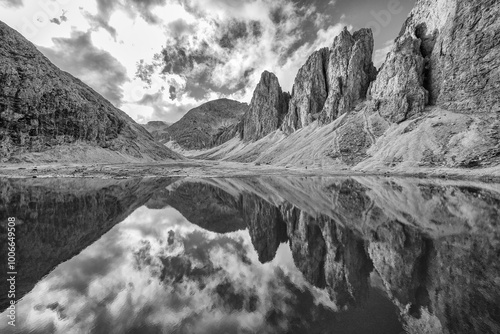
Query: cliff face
x,y
445,56
332,81
201,127
43,109
350,71
267,109
459,41
310,91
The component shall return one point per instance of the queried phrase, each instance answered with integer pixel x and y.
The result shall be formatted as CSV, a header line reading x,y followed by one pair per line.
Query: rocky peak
x,y
268,107
349,72
309,93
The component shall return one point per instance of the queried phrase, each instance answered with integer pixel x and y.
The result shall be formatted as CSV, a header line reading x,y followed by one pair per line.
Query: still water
x,y
253,255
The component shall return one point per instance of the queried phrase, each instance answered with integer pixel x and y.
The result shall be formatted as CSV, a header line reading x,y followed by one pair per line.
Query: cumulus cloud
x,y
12,3
97,68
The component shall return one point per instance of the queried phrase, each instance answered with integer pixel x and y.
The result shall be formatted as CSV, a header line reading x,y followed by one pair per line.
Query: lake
x,y
252,255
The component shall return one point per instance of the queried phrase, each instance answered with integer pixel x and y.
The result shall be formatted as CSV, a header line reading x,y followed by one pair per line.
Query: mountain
x,y
156,128
201,126
48,115
434,103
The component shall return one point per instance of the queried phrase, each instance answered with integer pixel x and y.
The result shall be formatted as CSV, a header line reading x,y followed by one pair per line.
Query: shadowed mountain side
x,y
57,219
50,116
433,245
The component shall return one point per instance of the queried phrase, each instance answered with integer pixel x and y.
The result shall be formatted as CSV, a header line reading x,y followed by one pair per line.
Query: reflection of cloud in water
x,y
155,270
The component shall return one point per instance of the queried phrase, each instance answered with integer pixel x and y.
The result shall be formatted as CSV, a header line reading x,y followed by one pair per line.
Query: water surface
x,y
254,255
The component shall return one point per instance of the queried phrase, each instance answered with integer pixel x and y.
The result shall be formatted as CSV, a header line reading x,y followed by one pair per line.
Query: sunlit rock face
x,y
267,109
42,107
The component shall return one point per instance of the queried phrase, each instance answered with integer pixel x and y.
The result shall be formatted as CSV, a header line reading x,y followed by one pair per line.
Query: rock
x,y
398,92
459,42
267,109
309,93
349,73
201,126
43,108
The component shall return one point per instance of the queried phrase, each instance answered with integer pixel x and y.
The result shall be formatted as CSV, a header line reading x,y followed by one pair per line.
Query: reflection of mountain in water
x,y
435,245
57,219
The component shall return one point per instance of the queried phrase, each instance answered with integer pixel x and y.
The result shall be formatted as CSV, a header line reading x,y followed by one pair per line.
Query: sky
x,y
157,59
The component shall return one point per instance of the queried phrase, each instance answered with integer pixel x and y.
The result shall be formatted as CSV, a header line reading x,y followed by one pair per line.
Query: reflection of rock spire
x,y
266,226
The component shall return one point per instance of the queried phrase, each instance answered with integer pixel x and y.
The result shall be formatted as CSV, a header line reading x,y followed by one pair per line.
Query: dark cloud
x,y
172,90
12,3
97,68
60,19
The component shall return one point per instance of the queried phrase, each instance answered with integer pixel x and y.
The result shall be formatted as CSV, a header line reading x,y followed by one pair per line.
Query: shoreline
x,y
224,169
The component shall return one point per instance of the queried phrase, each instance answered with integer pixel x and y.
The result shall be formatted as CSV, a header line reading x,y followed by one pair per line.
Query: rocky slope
x,y
201,127
434,103
48,115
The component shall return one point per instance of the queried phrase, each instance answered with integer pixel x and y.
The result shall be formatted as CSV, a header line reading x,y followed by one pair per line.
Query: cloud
x,y
60,19
228,44
12,3
97,68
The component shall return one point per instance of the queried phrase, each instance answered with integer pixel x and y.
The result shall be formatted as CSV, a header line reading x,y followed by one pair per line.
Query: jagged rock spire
x,y
267,108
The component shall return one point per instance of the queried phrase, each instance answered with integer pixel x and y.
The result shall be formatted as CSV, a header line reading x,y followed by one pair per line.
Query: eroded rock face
x,y
268,107
42,107
398,92
448,49
310,91
349,73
